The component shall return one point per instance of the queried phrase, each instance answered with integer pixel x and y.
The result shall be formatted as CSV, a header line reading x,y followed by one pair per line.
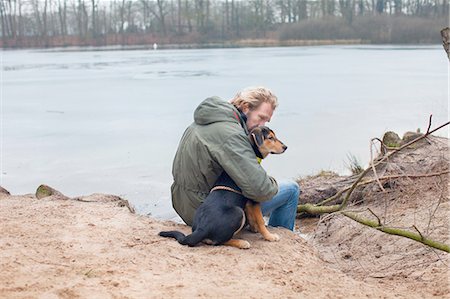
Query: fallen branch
x,y
317,210
399,232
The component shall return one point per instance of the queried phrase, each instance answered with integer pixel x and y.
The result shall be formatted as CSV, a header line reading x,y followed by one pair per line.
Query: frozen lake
x,y
109,121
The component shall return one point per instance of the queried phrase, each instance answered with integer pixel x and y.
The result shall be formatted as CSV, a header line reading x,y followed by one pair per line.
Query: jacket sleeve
x,y
238,159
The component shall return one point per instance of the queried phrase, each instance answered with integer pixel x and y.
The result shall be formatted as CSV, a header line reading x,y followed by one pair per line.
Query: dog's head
x,y
264,142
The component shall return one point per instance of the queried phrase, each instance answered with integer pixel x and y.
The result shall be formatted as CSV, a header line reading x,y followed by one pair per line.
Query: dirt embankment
x,y
412,195
93,247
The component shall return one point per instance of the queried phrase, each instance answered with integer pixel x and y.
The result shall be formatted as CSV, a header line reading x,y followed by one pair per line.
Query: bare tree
x,y
380,6
347,9
94,18
160,11
179,15
4,21
328,7
44,32
62,13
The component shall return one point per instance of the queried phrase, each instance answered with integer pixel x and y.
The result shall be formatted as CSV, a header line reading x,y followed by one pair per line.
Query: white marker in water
x,y
155,46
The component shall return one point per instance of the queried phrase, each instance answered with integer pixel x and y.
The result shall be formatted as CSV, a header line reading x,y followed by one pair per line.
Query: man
x,y
217,141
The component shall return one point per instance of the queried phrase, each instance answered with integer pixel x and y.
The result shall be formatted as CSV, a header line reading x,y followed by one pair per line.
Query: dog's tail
x,y
190,240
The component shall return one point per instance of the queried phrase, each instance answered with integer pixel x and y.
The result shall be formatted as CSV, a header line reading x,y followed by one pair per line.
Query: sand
x,y
53,248
95,247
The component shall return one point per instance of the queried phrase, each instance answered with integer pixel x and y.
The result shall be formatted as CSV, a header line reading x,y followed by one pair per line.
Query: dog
x,y
225,210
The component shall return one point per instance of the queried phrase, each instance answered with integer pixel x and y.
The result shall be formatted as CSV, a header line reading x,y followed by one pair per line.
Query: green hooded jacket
x,y
217,141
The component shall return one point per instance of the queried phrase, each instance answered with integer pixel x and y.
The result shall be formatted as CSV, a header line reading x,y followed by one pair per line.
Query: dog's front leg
x,y
256,221
249,213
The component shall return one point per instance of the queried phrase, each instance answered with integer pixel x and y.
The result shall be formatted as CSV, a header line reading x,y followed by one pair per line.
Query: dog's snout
x,y
284,147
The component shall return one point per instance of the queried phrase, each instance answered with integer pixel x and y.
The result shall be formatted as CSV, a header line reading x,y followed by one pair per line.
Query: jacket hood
x,y
214,110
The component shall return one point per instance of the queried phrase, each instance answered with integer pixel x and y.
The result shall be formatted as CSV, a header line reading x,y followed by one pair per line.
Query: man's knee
x,y
291,189
294,189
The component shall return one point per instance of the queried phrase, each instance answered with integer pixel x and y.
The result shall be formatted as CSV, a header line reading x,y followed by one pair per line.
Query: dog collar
x,y
259,156
226,189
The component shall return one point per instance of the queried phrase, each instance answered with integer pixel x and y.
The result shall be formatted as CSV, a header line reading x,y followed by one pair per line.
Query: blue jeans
x,y
282,208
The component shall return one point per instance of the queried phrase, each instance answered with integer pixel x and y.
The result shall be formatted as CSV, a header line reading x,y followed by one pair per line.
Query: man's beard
x,y
249,115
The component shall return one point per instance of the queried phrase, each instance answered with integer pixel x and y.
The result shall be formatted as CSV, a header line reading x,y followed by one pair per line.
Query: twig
x,y
379,221
434,212
380,141
429,123
415,227
47,262
373,167
324,218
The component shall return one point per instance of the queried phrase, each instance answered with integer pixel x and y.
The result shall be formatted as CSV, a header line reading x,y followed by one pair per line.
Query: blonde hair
x,y
253,97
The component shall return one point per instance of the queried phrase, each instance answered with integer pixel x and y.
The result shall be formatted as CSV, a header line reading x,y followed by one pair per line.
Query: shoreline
x,y
244,43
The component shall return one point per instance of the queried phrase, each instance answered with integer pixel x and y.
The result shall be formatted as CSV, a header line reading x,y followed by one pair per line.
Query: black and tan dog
x,y
221,215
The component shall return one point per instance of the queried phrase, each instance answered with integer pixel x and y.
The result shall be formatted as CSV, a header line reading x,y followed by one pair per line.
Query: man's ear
x,y
245,108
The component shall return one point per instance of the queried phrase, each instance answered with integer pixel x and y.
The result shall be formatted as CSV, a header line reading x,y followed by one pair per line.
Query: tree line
x,y
45,23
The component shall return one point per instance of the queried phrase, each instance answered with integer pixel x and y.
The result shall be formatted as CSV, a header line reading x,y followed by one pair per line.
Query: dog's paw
x,y
244,245
272,238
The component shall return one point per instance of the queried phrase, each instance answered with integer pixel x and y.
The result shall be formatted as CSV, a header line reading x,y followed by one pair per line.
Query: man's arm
x,y
238,160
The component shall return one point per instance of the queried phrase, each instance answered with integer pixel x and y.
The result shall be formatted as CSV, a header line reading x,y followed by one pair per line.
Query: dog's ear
x,y
257,135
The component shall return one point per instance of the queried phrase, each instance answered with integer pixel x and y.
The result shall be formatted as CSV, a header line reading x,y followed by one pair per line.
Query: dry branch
x,y
399,232
317,210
